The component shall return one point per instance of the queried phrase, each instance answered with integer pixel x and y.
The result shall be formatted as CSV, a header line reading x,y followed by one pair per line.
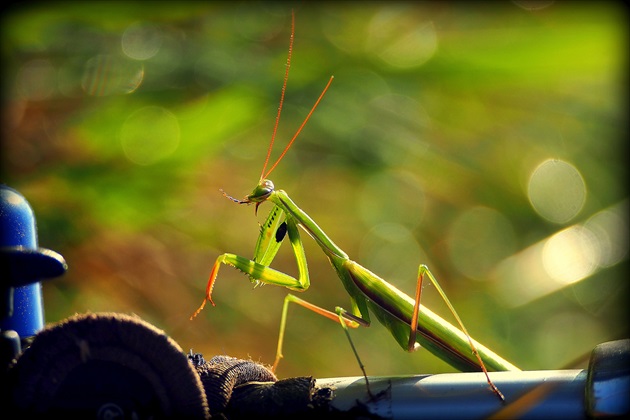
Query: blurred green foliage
x,y
485,139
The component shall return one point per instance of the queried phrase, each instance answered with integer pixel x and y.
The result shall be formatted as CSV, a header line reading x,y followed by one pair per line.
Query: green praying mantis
x,y
411,324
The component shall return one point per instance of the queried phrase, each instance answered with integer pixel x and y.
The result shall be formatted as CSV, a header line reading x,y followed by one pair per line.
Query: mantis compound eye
x,y
261,192
267,185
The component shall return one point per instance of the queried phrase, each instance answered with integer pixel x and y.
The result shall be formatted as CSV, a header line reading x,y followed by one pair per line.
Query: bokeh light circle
x,y
478,240
399,40
400,199
557,191
571,254
106,74
141,41
149,135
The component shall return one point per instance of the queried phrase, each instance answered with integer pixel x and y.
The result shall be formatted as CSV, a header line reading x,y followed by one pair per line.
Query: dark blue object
x,y
608,382
22,265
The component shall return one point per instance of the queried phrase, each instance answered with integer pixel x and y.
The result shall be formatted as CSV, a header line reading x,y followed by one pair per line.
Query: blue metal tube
x,y
22,265
463,395
18,229
601,391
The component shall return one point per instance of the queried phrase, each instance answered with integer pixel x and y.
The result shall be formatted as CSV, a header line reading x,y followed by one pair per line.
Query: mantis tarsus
x,y
411,324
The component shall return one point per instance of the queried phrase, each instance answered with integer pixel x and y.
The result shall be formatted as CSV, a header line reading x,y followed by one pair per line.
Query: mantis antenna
x,y
264,175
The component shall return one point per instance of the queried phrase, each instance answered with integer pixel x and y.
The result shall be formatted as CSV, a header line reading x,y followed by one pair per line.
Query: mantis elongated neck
x,y
280,198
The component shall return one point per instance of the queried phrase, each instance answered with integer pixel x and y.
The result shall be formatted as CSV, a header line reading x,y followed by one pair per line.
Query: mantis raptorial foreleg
x,y
272,232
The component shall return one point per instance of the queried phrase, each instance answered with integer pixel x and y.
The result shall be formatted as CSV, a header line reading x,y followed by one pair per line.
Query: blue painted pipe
x,y
22,265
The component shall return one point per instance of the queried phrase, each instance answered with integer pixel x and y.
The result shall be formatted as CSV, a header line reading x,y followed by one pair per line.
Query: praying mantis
x,y
411,324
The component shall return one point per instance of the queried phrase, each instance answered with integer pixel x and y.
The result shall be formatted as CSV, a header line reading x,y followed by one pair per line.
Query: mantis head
x,y
262,192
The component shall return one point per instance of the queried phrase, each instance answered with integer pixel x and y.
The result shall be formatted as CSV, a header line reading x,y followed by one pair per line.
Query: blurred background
x,y
487,140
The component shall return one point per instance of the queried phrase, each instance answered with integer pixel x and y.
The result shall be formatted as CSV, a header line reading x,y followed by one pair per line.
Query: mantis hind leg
x,y
343,313
341,316
412,345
